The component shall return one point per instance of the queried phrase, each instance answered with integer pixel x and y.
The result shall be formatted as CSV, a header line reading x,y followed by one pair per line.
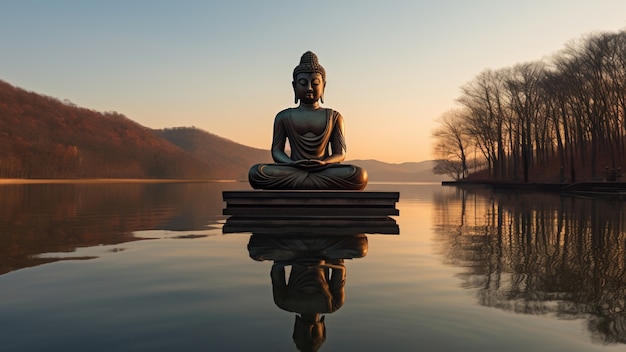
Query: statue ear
x,y
295,96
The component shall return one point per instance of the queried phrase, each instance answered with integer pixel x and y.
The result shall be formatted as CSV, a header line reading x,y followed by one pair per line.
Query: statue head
x,y
309,79
309,332
309,64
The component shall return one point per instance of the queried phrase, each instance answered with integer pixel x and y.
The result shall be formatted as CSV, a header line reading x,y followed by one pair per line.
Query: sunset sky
x,y
393,67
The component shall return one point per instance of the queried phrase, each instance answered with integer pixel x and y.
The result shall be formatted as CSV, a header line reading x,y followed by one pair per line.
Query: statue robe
x,y
334,176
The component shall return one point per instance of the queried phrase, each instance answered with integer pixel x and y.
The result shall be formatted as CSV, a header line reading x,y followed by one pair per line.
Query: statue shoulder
x,y
283,114
334,115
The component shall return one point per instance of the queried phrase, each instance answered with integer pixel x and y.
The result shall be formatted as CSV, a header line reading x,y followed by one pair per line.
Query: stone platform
x,y
311,204
310,226
310,213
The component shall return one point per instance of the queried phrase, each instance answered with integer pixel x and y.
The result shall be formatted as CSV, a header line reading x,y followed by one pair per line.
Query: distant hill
x,y
229,159
379,171
43,137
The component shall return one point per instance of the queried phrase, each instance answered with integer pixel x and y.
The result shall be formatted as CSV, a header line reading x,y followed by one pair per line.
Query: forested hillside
x,y
42,137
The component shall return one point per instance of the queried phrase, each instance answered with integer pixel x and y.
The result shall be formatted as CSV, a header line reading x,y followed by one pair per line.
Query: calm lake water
x,y
146,267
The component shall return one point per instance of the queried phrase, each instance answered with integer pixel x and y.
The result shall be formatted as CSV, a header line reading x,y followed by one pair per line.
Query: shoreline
x,y
24,181
612,189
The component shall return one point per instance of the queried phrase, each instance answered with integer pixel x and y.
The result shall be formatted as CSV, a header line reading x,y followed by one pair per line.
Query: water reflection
x,y
540,254
60,218
308,272
316,278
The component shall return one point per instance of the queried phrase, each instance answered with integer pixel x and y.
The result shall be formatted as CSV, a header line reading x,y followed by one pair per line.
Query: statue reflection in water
x,y
316,279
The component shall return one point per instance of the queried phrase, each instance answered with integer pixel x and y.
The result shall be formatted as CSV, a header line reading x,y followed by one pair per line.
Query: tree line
x,y
559,119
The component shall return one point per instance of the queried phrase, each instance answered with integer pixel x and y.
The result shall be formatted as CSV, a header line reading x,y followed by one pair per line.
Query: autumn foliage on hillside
x,y
42,137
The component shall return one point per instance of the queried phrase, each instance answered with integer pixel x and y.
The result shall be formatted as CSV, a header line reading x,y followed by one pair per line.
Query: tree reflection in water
x,y
535,253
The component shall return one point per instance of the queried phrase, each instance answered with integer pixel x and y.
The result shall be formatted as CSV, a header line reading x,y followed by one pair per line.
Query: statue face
x,y
308,87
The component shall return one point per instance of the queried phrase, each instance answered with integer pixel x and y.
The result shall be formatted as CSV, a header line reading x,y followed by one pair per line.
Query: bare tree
x,y
483,97
453,140
524,101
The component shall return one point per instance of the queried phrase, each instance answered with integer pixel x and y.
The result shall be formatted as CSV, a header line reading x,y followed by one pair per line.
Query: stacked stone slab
x,y
311,212
311,203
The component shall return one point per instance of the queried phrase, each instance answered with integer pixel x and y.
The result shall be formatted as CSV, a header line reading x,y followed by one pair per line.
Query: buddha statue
x,y
316,141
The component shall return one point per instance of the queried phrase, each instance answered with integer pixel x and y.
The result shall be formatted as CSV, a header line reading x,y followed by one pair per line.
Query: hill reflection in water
x,y
44,218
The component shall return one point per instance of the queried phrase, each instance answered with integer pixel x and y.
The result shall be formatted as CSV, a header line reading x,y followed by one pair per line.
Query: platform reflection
x,y
308,273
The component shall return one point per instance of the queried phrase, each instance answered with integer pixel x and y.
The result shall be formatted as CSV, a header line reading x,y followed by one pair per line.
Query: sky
x,y
393,67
